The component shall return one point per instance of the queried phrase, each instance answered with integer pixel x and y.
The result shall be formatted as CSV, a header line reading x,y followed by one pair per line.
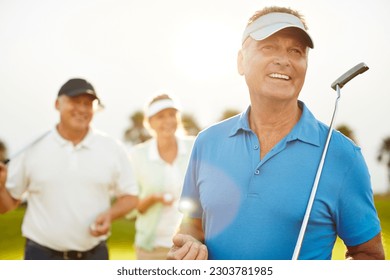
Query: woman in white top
x,y
159,166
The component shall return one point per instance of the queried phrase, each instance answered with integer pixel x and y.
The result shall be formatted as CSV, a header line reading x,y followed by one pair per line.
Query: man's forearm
x,y
364,256
370,250
192,227
7,202
122,206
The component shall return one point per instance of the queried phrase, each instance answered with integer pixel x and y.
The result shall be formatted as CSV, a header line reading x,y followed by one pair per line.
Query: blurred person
x,y
70,176
159,166
250,177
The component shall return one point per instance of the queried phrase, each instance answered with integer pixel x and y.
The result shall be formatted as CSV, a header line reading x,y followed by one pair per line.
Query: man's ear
x,y
240,63
57,104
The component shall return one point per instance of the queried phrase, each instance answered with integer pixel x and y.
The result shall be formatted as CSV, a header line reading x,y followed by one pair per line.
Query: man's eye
x,y
296,51
267,48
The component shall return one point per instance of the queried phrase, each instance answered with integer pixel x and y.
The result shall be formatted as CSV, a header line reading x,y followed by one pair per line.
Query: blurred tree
x,y
347,131
229,113
3,151
384,157
189,124
136,133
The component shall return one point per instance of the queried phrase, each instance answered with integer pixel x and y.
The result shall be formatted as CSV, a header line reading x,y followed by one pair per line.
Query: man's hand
x,y
7,202
102,225
185,247
119,208
3,175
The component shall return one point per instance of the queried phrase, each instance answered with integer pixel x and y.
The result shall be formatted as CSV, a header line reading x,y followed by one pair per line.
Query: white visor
x,y
160,105
271,23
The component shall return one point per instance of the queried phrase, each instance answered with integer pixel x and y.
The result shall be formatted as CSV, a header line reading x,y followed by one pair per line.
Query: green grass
x,y
121,241
11,240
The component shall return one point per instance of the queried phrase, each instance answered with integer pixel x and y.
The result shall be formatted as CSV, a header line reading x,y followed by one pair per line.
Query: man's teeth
x,y
279,76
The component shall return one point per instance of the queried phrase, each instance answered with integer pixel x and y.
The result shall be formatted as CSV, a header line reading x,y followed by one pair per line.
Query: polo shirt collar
x,y
88,139
306,130
242,123
85,143
153,150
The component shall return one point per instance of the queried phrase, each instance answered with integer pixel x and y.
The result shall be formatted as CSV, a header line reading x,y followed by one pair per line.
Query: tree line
x,y
137,133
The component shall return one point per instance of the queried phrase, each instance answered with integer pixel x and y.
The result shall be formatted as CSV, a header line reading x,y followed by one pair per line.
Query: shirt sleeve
x,y
190,199
17,178
125,180
358,220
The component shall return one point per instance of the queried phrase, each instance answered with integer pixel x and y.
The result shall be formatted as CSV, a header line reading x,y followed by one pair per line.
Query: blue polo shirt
x,y
253,208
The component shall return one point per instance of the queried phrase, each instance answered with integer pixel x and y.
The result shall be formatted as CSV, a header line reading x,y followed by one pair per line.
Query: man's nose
x,y
281,58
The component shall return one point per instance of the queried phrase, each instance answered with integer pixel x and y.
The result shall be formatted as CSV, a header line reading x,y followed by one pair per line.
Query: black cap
x,y
76,87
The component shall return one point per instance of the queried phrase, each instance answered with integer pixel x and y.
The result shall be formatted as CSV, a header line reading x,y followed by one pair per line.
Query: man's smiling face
x,y
275,67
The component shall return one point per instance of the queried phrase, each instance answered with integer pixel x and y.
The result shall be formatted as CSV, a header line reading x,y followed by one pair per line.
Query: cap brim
x,y
266,32
81,91
269,24
160,105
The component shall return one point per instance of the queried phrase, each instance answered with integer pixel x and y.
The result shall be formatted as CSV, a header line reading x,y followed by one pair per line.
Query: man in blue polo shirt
x,y
250,177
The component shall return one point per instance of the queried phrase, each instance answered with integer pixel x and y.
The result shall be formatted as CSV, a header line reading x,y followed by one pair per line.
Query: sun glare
x,y
205,50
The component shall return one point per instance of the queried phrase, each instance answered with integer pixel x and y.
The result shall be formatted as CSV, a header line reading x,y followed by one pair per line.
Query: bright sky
x,y
129,49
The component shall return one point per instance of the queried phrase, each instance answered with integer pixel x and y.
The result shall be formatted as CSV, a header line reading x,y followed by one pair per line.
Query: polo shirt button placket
x,y
256,147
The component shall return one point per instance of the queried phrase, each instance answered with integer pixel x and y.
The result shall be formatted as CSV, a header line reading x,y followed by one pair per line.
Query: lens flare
x,y
186,206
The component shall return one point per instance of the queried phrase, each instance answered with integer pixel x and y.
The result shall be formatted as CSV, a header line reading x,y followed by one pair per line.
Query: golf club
x,y
336,85
26,147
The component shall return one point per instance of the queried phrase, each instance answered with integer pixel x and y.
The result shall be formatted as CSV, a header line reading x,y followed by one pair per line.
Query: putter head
x,y
349,75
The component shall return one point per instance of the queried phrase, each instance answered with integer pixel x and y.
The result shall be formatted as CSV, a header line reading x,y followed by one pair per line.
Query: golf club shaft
x,y
6,161
305,222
